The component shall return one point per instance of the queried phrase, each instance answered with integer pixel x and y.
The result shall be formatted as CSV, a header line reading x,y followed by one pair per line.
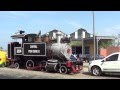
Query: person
x,y
78,57
73,57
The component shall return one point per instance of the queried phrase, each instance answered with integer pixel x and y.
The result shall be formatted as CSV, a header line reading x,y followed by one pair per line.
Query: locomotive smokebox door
x,y
34,49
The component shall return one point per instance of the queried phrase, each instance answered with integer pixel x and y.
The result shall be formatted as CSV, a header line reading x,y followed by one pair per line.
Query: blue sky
x,y
106,22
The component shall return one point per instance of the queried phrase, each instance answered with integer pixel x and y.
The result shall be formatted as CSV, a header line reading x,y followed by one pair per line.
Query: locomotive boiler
x,y
42,52
60,50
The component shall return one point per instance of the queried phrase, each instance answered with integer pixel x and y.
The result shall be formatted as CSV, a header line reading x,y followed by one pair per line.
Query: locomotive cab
x,y
30,38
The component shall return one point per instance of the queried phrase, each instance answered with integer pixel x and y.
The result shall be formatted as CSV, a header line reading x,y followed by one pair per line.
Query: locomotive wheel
x,y
17,65
63,69
29,64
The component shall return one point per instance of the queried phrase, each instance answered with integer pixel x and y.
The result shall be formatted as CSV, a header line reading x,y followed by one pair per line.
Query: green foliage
x,y
106,44
76,43
1,48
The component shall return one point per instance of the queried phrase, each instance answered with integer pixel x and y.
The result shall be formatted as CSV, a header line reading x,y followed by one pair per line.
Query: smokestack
x,y
59,36
54,35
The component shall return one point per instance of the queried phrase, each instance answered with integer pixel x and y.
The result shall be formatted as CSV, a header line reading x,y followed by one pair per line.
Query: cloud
x,y
74,24
45,12
12,17
17,14
26,14
114,30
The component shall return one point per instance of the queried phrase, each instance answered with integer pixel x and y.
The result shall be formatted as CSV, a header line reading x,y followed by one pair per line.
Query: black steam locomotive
x,y
42,53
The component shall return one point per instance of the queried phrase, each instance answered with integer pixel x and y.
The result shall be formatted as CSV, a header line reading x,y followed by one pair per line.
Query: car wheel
x,y
96,71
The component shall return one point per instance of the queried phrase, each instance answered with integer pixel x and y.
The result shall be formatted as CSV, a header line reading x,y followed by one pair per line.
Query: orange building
x,y
109,50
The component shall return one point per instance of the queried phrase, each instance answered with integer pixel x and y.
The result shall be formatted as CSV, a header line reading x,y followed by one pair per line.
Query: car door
x,y
111,64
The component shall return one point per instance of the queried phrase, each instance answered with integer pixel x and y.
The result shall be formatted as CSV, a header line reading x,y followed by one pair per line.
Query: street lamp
x,y
94,33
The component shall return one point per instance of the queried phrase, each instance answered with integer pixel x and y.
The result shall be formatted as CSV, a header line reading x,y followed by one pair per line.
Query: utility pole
x,y
82,45
94,34
97,46
119,41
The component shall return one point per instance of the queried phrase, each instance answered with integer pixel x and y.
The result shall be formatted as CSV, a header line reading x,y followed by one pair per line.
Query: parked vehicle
x,y
111,63
2,58
83,57
88,57
97,57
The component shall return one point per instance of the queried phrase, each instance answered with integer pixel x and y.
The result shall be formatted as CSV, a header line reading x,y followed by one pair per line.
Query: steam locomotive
x,y
42,52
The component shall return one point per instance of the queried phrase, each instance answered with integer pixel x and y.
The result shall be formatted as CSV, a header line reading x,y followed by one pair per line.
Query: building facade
x,y
53,34
81,41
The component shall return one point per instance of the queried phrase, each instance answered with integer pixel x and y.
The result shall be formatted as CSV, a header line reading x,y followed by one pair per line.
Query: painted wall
x,y
109,50
90,45
103,52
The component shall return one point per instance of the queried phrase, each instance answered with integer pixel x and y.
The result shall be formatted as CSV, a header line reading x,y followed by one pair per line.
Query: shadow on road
x,y
86,73
112,75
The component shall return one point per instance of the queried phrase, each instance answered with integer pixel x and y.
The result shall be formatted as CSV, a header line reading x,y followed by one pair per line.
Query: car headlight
x,y
90,62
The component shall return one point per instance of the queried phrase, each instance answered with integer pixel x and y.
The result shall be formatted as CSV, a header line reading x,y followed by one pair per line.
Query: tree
x,y
76,43
106,44
1,48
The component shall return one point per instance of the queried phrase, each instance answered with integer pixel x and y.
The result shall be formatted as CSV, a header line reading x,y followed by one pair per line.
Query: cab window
x,y
112,58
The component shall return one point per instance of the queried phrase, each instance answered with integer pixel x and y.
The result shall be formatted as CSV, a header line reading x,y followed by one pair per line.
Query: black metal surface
x,y
18,51
51,67
9,51
33,49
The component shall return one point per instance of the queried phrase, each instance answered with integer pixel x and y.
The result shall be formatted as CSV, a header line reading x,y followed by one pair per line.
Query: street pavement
x,y
11,73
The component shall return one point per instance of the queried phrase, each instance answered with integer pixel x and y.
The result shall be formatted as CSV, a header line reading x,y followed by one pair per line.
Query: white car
x,y
111,64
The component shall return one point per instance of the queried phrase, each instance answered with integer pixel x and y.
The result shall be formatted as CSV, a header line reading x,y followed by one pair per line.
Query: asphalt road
x,y
10,73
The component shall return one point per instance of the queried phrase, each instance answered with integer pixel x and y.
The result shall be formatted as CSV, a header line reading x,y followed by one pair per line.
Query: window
x,y
65,40
87,50
74,50
112,58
